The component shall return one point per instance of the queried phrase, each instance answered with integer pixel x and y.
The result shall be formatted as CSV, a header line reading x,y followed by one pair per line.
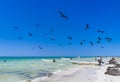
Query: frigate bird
x,y
102,46
69,43
62,15
100,31
15,27
98,42
40,47
81,43
99,38
30,34
91,43
87,27
70,37
108,39
20,38
37,25
51,30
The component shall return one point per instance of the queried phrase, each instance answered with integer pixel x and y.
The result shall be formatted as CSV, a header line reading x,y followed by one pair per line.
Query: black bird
x,y
69,43
98,42
102,46
108,39
99,38
83,40
37,25
62,15
40,47
15,27
87,27
45,34
20,38
70,37
91,43
30,34
100,31
81,43
52,30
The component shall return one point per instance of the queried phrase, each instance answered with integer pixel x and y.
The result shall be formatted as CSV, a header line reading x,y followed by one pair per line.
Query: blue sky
x,y
25,14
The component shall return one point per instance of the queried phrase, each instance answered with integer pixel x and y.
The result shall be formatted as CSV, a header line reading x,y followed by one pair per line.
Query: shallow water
x,y
16,69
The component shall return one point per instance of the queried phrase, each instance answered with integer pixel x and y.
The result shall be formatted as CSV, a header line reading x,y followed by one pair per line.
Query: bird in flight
x,y
62,15
30,34
81,43
52,30
37,25
87,27
91,43
20,38
98,42
70,37
15,27
108,39
40,47
100,31
99,38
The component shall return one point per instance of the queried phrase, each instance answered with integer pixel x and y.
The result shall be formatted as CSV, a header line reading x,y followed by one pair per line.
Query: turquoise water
x,y
15,69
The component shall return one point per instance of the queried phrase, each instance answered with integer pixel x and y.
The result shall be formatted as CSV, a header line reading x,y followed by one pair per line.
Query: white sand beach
x,y
82,73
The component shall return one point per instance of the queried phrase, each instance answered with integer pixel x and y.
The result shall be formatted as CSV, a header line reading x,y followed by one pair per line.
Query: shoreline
x,y
81,73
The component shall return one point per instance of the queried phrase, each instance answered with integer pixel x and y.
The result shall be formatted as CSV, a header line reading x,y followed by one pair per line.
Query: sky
x,y
25,14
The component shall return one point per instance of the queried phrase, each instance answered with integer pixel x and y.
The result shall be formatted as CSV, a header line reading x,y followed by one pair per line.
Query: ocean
x,y
15,69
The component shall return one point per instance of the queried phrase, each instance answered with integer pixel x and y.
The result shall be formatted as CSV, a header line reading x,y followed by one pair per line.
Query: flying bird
x,y
98,42
62,15
40,47
100,31
81,43
70,37
69,43
108,39
102,46
91,43
37,25
87,27
52,30
20,38
15,27
99,38
30,34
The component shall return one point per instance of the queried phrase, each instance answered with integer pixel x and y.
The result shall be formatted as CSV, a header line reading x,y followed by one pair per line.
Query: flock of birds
x,y
70,38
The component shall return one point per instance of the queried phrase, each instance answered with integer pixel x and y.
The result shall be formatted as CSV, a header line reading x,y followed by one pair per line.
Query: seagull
x,y
100,31
108,39
99,38
91,43
62,15
15,27
30,34
20,38
70,37
87,27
